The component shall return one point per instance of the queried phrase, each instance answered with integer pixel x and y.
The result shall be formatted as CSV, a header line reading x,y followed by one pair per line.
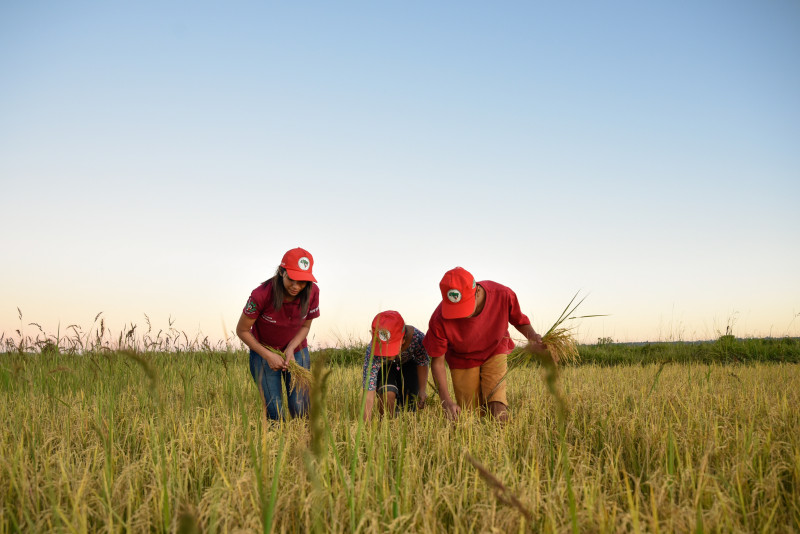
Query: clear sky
x,y
160,157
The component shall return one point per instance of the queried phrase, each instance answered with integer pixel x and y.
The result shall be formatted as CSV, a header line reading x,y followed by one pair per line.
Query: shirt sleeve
x,y
313,305
435,341
515,315
255,304
258,301
418,352
373,372
251,308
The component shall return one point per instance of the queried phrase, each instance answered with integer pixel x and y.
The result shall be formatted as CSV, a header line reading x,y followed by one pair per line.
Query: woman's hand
x,y
290,350
275,361
421,398
370,401
296,342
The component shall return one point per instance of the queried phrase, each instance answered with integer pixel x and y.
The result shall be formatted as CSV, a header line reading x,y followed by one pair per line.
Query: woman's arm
x,y
370,401
422,382
275,362
298,338
369,379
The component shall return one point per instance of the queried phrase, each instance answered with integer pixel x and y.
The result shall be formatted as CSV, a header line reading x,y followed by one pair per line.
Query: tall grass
x,y
144,441
31,337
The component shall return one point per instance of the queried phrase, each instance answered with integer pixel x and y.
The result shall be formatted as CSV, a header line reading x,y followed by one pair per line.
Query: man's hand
x,y
451,409
536,345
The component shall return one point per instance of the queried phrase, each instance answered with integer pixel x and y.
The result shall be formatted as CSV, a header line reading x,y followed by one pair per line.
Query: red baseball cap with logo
x,y
458,293
388,329
299,263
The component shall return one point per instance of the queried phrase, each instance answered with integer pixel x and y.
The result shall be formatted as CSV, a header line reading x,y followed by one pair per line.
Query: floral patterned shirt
x,y
415,352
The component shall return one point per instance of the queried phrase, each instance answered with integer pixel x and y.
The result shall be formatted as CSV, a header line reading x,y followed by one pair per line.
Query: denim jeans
x,y
269,383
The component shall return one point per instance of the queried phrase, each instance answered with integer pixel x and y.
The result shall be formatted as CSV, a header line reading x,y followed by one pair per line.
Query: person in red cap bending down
x,y
470,329
398,367
279,314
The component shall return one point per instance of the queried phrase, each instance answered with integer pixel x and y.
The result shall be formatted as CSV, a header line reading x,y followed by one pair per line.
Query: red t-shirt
x,y
277,328
469,342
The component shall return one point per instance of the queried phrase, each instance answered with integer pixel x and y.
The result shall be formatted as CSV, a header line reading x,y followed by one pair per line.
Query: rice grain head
x,y
562,346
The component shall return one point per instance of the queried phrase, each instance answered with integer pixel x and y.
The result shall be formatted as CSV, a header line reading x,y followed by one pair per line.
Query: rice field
x,y
129,441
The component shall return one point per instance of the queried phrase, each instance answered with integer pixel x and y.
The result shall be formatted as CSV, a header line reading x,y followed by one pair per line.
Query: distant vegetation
x,y
74,340
726,349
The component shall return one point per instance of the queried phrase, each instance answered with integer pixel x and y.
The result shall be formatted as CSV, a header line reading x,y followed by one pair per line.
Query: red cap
x,y
458,293
388,329
298,263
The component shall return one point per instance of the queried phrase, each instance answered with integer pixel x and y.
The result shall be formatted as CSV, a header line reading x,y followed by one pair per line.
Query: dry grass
x,y
108,447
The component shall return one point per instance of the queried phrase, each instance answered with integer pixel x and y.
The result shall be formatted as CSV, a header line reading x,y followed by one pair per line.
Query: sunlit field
x,y
125,440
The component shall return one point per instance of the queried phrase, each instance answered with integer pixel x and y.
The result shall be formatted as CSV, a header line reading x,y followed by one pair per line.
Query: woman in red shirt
x,y
279,314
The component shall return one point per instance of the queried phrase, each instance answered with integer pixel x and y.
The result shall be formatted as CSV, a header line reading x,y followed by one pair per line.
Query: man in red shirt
x,y
470,329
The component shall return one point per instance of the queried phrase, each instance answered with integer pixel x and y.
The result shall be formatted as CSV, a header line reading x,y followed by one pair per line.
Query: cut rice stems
x,y
300,377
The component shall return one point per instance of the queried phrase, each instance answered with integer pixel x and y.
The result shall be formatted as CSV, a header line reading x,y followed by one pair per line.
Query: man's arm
x,y
451,409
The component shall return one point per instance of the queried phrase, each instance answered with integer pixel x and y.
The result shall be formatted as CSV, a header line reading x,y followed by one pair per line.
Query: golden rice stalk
x,y
501,491
561,344
300,377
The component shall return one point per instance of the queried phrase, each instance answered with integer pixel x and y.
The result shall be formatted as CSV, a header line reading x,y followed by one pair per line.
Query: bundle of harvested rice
x,y
561,344
300,377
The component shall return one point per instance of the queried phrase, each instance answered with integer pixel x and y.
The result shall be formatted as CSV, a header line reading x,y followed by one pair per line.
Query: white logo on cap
x,y
454,296
385,335
304,263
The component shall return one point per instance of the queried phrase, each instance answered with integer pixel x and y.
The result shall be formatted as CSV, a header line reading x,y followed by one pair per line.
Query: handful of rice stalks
x,y
562,347
300,376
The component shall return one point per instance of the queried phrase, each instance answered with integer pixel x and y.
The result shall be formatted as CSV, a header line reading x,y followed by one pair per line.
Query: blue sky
x,y
159,158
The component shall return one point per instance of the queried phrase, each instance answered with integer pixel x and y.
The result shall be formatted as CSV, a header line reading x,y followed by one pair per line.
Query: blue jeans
x,y
269,383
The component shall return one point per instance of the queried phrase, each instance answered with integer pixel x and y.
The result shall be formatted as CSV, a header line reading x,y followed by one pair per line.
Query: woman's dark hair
x,y
279,292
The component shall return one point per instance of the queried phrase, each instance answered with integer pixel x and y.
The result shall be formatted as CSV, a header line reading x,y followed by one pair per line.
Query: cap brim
x,y
301,276
458,310
388,350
